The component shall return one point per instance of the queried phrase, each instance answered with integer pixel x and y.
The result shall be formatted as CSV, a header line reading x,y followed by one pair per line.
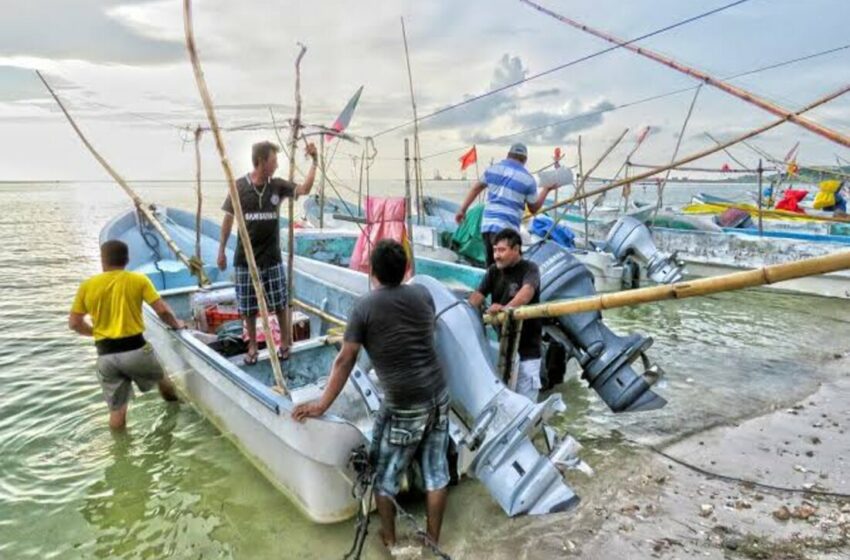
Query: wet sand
x,y
642,504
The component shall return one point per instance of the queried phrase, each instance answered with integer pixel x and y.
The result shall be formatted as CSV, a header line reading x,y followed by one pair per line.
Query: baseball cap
x,y
519,149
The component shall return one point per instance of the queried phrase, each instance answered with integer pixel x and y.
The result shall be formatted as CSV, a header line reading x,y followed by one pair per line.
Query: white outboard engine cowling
x,y
629,237
501,423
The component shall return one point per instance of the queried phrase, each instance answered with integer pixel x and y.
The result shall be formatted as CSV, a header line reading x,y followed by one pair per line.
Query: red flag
x,y
725,167
557,157
468,158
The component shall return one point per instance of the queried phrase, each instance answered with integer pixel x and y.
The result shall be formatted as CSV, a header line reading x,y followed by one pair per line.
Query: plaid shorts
x,y
402,435
274,284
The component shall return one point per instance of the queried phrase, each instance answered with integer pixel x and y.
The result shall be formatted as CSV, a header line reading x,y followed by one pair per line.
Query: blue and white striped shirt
x,y
509,187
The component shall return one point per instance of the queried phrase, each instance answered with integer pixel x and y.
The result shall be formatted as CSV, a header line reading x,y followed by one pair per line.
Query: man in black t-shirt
x,y
395,324
513,281
261,196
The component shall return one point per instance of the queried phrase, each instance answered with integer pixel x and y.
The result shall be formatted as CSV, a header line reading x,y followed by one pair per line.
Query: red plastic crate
x,y
217,316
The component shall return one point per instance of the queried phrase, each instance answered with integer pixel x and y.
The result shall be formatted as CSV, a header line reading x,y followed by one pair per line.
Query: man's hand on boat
x,y
308,410
222,259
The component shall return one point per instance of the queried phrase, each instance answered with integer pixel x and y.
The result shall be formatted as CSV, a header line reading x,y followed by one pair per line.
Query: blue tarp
x,y
562,235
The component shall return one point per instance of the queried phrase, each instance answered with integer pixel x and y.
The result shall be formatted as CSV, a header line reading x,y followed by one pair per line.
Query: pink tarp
x,y
385,219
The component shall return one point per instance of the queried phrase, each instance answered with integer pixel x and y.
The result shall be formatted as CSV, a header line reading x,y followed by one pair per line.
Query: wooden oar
x,y
193,264
234,198
695,156
728,282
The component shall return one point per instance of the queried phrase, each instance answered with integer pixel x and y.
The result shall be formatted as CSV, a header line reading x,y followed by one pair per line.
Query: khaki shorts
x,y
117,373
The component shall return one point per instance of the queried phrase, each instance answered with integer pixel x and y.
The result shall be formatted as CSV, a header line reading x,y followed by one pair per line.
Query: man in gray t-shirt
x,y
395,323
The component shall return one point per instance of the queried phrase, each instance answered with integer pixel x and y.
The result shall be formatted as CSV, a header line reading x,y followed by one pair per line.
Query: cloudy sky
x,y
122,67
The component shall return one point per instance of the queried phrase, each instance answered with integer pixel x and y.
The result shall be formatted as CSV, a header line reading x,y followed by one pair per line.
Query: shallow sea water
x,y
172,486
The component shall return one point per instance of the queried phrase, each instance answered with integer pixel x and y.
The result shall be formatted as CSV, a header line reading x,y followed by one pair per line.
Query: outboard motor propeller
x,y
606,358
631,238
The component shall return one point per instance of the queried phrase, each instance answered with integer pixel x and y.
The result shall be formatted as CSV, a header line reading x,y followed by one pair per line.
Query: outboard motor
x,y
606,358
500,424
630,238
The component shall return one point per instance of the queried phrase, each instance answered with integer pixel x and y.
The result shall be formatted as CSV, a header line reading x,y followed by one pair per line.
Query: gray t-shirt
x,y
396,326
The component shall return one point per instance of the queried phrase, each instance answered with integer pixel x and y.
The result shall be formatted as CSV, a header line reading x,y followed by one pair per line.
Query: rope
x,y
154,247
561,67
364,486
729,478
642,101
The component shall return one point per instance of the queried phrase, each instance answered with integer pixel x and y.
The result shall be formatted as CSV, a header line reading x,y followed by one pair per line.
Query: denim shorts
x,y
404,434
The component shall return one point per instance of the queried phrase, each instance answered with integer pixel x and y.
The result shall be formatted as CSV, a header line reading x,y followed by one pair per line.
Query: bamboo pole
x,y
761,224
360,183
697,169
699,155
194,265
322,184
641,137
581,186
234,197
580,189
660,196
290,232
738,92
681,290
318,312
200,197
417,169
407,203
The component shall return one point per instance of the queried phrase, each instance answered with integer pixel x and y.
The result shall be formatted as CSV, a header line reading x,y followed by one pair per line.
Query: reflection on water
x,y
172,486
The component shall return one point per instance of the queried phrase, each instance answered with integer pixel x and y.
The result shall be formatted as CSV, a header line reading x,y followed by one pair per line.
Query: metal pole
x,y
760,172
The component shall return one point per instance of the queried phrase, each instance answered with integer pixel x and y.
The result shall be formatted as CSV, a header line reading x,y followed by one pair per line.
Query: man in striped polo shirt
x,y
510,187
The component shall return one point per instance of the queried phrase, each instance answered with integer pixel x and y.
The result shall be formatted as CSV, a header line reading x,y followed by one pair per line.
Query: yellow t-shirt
x,y
113,299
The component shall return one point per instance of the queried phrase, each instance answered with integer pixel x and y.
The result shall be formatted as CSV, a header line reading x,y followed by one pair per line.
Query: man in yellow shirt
x,y
113,300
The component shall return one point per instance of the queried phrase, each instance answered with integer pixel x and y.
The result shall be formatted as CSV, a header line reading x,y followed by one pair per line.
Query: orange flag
x,y
468,158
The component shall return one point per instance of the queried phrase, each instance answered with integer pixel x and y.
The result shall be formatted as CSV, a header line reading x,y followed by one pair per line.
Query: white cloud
x,y
126,58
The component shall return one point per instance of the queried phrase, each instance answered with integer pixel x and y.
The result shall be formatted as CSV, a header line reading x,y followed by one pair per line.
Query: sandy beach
x,y
777,496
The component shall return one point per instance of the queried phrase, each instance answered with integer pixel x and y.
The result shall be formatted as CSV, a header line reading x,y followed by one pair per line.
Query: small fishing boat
x,y
433,240
491,427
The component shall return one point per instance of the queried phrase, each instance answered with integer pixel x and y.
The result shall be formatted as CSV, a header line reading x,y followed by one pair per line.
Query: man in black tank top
x,y
511,282
395,324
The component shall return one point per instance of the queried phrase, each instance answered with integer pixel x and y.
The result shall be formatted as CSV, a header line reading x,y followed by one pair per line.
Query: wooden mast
x,y
194,265
417,164
290,232
234,197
